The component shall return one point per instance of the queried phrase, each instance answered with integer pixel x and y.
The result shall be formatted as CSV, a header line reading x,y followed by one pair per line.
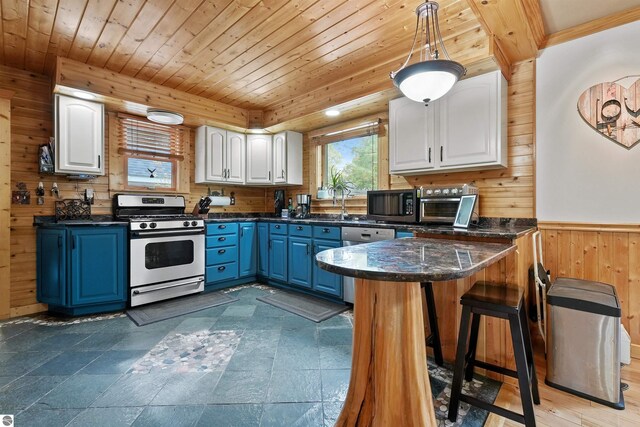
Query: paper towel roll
x,y
220,200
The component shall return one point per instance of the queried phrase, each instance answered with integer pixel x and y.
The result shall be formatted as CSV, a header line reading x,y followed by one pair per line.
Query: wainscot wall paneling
x,y
31,126
604,253
5,201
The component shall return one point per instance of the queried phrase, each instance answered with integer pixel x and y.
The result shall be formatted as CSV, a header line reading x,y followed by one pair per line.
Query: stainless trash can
x,y
583,333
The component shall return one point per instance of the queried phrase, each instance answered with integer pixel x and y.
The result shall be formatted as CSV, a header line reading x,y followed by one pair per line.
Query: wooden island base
x,y
389,383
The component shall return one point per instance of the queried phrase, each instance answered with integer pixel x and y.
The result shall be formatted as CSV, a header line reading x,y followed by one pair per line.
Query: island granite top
x,y
413,259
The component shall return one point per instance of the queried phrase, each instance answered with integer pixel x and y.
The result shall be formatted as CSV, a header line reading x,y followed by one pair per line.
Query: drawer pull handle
x,y
325,230
277,227
222,227
221,251
299,228
221,239
221,268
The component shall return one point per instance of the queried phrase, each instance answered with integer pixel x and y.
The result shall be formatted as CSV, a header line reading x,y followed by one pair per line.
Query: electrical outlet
x,y
88,195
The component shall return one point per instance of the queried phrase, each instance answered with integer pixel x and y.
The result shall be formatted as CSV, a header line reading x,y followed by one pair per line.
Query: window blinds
x,y
141,137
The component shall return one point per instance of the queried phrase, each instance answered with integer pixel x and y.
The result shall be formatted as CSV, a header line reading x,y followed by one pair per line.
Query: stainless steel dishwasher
x,y
356,236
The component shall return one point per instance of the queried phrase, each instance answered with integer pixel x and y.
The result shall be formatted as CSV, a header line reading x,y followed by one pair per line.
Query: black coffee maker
x,y
279,202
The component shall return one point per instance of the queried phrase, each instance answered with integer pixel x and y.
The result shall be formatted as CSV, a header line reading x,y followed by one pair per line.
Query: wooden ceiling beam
x,y
591,27
516,24
124,93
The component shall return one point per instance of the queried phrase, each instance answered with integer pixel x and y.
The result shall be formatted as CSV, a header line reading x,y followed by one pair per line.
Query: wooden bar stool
x,y
495,300
433,339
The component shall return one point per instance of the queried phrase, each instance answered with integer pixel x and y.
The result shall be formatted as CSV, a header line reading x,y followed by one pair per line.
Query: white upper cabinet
x,y
79,134
219,155
463,130
259,159
235,157
287,158
411,136
472,125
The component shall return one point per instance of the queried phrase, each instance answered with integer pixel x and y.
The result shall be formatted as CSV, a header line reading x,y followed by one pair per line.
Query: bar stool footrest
x,y
489,407
495,368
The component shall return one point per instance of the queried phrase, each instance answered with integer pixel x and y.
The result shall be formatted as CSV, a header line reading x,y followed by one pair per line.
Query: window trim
x,y
323,159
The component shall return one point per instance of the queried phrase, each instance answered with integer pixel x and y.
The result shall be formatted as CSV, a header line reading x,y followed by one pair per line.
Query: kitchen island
x,y
389,382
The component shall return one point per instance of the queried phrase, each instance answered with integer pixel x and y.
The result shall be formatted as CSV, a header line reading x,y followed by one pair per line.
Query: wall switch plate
x,y
88,195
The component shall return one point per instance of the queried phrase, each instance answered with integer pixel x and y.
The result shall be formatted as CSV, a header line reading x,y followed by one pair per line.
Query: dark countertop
x,y
413,259
504,228
50,221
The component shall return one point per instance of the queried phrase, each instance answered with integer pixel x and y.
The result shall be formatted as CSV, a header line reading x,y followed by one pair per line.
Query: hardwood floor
x,y
558,409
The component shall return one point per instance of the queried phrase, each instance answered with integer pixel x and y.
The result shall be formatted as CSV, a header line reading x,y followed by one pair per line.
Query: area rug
x,y
312,308
480,387
156,312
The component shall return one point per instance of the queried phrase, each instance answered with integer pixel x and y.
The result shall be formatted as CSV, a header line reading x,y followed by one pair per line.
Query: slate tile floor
x,y
241,364
283,370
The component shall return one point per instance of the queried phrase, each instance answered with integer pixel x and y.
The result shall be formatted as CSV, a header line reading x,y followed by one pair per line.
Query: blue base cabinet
x,y
278,257
221,260
300,262
248,253
82,270
263,249
323,280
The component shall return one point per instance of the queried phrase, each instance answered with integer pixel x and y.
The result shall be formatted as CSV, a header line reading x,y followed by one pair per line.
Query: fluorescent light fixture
x,y
332,113
83,95
164,117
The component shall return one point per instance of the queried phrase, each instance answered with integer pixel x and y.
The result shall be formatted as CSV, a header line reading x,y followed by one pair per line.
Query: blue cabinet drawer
x,y
222,272
215,228
278,228
401,234
300,230
222,255
222,240
327,233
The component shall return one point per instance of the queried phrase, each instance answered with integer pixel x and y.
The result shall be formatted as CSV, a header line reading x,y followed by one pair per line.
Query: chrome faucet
x,y
343,208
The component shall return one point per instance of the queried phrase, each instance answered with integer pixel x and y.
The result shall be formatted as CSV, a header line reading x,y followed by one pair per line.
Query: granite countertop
x,y
50,221
413,259
504,228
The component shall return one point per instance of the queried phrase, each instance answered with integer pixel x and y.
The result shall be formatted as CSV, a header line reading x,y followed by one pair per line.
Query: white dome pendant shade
x,y
431,78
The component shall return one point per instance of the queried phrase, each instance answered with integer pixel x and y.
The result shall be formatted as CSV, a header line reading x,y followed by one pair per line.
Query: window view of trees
x,y
357,158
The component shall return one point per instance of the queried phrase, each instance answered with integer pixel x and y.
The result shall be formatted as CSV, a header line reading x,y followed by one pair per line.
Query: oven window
x,y
168,254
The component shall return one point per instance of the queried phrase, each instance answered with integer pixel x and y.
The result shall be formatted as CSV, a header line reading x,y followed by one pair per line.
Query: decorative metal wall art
x,y
613,110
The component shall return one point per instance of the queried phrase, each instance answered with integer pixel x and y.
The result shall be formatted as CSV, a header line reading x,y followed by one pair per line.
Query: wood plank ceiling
x,y
257,55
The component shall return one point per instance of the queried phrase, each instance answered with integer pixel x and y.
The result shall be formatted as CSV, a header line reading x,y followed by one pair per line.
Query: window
x,y
357,159
151,153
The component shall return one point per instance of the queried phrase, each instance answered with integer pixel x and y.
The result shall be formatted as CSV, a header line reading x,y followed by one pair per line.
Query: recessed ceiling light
x,y
332,113
83,95
165,117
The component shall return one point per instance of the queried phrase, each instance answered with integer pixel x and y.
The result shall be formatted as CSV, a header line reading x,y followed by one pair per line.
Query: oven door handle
x,y
142,234
450,199
172,285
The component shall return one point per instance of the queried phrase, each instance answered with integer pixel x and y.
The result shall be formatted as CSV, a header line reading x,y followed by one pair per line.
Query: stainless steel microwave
x,y
393,205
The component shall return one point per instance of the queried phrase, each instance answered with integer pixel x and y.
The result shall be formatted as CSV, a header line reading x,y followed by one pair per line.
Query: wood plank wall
x,y
31,126
604,253
506,192
5,201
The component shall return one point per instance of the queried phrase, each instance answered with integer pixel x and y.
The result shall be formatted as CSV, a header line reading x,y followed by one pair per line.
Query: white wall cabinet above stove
x,y
220,156
79,136
463,130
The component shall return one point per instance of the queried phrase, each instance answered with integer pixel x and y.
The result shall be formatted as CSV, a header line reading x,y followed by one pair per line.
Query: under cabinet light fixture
x,y
83,95
432,77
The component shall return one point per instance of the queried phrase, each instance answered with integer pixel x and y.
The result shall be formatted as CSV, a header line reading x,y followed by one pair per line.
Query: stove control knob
x,y
437,192
454,191
143,225
186,223
445,191
153,225
194,223
429,192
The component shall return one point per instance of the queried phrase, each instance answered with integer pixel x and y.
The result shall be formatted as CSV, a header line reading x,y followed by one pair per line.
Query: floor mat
x,y
156,312
312,308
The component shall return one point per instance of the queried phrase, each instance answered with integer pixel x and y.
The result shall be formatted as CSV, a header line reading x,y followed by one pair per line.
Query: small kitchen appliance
x,y
166,247
304,205
439,204
279,201
393,205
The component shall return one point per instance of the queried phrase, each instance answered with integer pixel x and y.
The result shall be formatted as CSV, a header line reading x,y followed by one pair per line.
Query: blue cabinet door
x,y
278,257
401,234
248,252
324,281
51,266
263,249
300,266
98,264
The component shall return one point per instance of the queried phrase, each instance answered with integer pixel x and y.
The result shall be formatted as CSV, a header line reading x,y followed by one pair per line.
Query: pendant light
x,y
432,77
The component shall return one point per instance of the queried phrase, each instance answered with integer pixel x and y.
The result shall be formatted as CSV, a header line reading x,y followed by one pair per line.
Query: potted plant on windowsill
x,y
338,183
